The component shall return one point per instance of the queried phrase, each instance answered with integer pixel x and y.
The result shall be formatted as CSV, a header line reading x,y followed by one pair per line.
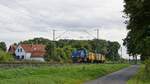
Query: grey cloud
x,y
40,15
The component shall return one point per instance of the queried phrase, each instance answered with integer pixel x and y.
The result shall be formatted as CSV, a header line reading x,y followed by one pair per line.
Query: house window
x,y
22,57
17,57
20,50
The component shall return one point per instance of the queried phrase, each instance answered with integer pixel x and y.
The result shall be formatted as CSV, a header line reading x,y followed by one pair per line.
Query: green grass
x,y
65,74
140,78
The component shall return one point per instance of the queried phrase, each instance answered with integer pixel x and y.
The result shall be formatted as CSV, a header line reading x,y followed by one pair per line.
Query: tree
x,y
3,46
137,40
51,52
113,48
36,41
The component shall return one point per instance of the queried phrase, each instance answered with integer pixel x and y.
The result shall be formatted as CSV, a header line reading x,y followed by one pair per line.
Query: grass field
x,y
61,74
140,77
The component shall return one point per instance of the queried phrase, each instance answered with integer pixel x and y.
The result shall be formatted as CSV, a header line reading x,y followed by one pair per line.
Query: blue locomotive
x,y
83,56
79,55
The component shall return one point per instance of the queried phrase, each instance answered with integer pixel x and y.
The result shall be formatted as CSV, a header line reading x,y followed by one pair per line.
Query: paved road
x,y
119,77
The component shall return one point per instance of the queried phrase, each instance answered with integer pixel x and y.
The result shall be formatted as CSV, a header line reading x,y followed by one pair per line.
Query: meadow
x,y
58,74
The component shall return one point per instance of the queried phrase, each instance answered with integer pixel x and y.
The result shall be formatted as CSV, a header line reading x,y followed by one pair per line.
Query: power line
x,y
61,34
97,33
89,34
54,35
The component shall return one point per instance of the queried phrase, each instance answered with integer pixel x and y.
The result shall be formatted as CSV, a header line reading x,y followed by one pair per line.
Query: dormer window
x,y
21,50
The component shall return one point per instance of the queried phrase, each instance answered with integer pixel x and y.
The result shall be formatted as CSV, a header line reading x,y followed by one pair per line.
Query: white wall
x,y
41,59
19,53
27,56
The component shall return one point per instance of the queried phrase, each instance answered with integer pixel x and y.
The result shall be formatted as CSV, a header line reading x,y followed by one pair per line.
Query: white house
x,y
30,52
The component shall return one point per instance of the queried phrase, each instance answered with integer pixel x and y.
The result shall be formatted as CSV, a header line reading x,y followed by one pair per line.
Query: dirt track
x,y
119,77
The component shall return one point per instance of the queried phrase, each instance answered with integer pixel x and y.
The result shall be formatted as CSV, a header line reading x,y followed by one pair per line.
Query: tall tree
x,y
137,40
113,48
3,46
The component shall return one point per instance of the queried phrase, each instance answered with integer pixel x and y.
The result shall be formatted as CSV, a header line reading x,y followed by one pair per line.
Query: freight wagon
x,y
83,56
95,58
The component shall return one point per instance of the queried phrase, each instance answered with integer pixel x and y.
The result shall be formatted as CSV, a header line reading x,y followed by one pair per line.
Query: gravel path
x,y
119,77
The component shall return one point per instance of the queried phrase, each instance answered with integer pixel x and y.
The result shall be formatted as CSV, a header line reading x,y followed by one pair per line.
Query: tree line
x,y
61,50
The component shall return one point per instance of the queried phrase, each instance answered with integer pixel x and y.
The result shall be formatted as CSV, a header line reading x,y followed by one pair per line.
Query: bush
x,y
141,77
147,67
5,57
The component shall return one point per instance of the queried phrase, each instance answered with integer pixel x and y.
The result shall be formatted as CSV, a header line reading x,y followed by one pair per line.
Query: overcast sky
x,y
26,19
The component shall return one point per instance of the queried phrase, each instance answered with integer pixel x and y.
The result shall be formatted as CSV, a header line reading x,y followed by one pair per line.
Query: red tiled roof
x,y
38,54
36,50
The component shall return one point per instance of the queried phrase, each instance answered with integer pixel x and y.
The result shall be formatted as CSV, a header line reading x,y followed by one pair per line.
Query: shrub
x,y
5,57
147,67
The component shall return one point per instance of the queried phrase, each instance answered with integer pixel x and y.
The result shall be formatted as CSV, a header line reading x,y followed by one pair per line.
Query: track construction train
x,y
83,56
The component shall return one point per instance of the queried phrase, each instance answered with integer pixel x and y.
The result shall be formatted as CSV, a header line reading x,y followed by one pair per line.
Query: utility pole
x,y
54,35
97,38
54,41
54,53
97,34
